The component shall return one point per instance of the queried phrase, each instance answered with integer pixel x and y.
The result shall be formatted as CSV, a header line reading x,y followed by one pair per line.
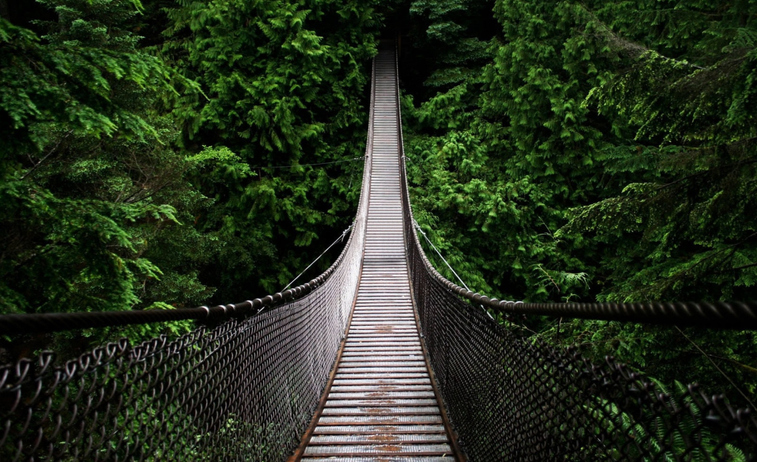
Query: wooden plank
x,y
373,429
384,458
381,401
379,449
385,438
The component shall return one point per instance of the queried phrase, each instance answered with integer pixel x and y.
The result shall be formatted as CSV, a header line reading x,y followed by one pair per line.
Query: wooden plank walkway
x,y
381,404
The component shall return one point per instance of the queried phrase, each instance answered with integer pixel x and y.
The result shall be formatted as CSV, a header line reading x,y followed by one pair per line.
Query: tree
x,y
89,176
607,155
692,110
286,88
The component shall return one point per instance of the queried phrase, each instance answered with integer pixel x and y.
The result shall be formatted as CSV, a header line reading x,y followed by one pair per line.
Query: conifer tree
x,y
607,156
90,180
286,85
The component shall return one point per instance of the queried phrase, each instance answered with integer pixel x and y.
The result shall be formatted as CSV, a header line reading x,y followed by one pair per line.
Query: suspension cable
x,y
339,239
715,365
317,164
418,227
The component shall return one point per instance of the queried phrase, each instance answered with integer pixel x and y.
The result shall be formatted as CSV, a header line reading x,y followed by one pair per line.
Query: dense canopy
x,y
171,153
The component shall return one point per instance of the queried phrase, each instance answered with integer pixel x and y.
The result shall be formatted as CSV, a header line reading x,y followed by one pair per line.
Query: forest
x,y
175,153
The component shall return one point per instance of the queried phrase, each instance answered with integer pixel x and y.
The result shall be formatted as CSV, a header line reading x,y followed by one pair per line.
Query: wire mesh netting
x,y
510,398
244,390
513,398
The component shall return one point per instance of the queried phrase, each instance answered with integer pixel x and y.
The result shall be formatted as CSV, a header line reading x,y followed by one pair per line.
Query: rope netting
x,y
244,389
247,388
510,397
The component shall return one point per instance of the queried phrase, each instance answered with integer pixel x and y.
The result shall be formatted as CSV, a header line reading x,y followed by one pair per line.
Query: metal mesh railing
x,y
245,389
510,397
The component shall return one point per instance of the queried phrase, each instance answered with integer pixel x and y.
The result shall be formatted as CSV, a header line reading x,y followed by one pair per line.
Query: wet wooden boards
x,y
381,405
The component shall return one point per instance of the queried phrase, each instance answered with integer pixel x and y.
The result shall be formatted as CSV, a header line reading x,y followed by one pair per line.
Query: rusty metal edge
x,y
454,444
300,451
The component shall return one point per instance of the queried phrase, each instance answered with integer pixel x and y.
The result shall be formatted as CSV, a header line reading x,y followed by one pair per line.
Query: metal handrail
x,y
514,397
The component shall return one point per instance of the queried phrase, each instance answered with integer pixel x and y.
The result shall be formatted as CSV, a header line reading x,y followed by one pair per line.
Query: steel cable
x,y
511,397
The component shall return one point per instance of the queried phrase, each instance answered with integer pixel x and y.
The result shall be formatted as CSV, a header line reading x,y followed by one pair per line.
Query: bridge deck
x,y
381,404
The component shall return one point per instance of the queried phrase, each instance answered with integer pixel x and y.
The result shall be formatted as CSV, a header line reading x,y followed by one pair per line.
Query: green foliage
x,y
177,174
526,120
286,87
600,151
691,221
657,431
258,443
454,37
85,77
91,184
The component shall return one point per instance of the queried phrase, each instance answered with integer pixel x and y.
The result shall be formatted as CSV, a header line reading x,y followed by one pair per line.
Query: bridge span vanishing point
x,y
380,358
381,401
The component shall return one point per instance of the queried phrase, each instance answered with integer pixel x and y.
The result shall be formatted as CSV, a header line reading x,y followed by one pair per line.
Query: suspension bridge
x,y
377,359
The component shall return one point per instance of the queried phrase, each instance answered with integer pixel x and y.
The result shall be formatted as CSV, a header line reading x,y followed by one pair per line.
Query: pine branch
x,y
46,156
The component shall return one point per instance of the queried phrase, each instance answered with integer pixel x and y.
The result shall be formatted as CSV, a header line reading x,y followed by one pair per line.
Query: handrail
x,y
246,383
727,315
57,322
14,324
